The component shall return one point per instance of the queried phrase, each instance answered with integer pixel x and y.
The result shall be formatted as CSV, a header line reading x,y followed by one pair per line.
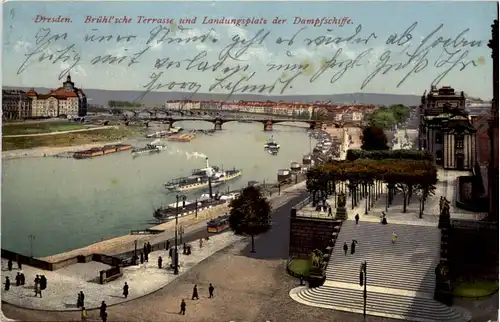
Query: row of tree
x,y
387,117
364,178
113,103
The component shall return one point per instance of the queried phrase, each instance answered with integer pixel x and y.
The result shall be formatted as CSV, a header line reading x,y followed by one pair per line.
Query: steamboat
x,y
203,178
153,147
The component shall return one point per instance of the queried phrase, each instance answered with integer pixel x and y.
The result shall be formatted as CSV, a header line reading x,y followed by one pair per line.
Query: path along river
x,y
68,203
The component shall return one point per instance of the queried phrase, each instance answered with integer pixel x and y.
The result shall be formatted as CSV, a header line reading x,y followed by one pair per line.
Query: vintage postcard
x,y
249,161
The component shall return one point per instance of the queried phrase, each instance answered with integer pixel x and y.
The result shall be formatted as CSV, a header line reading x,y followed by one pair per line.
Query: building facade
x,y
16,105
446,130
64,101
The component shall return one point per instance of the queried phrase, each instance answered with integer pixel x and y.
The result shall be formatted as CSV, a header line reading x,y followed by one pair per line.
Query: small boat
x,y
153,147
271,144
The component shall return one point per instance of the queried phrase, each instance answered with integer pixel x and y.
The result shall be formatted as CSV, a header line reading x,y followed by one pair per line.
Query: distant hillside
x,y
101,97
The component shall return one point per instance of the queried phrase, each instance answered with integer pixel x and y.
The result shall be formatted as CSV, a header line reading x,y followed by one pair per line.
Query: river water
x,y
68,203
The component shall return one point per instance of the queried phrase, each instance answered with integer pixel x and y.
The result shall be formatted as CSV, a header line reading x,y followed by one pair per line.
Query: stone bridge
x,y
167,117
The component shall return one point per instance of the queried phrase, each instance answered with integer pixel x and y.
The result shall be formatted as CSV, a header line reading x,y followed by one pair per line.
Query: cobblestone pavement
x,y
65,283
246,289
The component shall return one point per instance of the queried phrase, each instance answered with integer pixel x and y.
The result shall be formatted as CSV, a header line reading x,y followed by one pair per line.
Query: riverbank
x,y
48,151
126,243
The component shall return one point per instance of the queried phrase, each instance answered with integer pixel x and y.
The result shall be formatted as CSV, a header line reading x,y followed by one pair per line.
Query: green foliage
x,y
112,103
387,117
250,213
388,154
373,138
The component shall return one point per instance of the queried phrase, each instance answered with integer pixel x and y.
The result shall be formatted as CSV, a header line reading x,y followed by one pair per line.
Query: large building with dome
x,y
67,100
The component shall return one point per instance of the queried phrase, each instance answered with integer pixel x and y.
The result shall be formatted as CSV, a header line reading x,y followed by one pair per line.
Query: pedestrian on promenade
x,y
43,282
9,264
183,308
38,290
146,259
19,265
104,317
23,279
353,246
84,314
145,248
201,243
142,258
37,279
170,251
125,290
330,211
159,261
394,237
150,248
356,218
7,283
167,247
18,279
195,293
211,290
346,248
102,310
81,298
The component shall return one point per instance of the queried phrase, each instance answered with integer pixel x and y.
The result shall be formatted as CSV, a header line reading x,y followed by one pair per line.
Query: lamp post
x,y
135,252
175,253
32,237
362,282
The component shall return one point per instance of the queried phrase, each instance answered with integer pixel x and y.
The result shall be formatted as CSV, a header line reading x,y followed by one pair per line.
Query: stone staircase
x,y
379,304
408,264
400,276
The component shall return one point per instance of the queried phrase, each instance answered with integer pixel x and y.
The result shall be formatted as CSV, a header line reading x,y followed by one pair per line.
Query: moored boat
x,y
153,147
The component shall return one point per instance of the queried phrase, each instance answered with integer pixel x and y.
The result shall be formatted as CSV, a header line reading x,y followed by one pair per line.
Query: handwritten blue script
x,y
265,55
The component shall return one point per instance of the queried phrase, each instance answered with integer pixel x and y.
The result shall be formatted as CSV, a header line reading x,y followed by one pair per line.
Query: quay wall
x,y
118,245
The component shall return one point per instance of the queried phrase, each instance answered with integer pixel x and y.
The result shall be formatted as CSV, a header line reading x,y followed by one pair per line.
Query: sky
x,y
242,60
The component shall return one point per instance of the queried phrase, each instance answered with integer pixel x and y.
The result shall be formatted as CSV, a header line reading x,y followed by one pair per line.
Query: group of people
x,y
353,247
80,303
102,309
40,284
195,296
40,281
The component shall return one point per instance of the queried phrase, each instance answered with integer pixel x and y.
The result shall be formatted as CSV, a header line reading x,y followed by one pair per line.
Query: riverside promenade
x,y
65,283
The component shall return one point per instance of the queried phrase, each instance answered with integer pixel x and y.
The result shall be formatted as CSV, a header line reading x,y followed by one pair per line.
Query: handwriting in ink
x,y
453,47
44,39
337,40
162,34
342,65
92,37
155,85
118,59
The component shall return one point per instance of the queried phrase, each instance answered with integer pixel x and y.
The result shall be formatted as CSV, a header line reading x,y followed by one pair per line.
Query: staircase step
x,y
417,309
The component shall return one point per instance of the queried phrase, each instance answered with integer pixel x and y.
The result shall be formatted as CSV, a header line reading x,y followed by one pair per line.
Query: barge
x,y
182,138
100,151
184,208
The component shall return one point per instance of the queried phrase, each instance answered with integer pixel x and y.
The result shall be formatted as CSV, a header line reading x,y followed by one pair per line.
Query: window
x,y
439,138
459,141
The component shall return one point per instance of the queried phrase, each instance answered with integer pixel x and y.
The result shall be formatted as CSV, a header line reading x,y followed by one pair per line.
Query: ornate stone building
x,y
66,100
16,105
446,130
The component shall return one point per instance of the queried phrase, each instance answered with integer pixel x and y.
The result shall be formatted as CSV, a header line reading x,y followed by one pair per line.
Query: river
x,y
68,203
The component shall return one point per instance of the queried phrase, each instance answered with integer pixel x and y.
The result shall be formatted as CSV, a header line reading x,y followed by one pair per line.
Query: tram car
x,y
218,224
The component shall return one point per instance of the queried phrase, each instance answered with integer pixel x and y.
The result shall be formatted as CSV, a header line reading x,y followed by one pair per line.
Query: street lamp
x,y
32,237
135,252
362,282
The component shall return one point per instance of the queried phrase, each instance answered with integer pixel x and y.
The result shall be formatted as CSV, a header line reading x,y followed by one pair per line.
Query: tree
x,y
373,138
383,119
400,112
250,214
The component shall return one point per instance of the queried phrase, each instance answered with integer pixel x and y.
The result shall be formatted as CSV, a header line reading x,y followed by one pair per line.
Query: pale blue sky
x,y
381,18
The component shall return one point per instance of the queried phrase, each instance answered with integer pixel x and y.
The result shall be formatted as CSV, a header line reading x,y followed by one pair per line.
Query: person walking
x,y
356,218
346,248
394,237
7,284
211,289
84,314
195,293
125,290
160,261
353,246
183,308
102,310
9,265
